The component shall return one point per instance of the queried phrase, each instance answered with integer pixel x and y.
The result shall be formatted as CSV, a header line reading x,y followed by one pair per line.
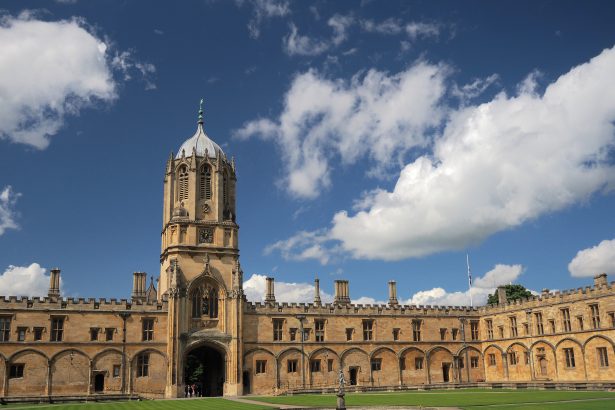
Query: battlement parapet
x,y
273,308
70,303
552,297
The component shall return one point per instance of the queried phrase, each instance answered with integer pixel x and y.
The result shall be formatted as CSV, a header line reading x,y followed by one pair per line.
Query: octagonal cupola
x,y
200,142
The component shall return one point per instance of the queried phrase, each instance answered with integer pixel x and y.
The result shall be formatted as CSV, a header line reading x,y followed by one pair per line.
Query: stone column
x,y
341,292
48,383
502,299
270,292
90,378
54,283
393,293
317,300
139,280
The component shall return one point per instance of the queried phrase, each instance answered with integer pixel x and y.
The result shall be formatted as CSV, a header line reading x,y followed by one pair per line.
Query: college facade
x,y
196,326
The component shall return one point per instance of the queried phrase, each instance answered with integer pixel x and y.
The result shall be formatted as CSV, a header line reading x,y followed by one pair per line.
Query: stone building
x,y
198,327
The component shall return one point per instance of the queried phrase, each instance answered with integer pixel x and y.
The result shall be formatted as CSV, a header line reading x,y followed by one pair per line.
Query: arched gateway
x,y
204,368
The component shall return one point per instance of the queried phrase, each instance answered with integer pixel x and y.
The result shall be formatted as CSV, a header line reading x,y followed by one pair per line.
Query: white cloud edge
x,y
594,260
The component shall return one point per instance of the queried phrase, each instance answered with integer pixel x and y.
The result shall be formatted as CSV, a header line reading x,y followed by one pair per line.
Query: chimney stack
x,y
317,300
270,293
342,296
139,280
600,280
393,293
54,283
502,299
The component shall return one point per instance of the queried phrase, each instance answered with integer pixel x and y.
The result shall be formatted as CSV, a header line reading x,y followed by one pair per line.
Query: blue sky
x,y
374,140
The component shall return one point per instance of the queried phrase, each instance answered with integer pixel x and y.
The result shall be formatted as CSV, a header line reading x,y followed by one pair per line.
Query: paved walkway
x,y
260,403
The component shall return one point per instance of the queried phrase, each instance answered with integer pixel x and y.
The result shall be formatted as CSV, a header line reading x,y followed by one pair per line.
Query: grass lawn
x,y
474,399
188,404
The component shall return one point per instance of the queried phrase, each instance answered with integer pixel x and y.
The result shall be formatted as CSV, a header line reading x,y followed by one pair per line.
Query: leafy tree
x,y
513,292
194,369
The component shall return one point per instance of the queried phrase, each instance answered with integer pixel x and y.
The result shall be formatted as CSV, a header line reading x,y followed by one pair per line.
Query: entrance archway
x,y
204,369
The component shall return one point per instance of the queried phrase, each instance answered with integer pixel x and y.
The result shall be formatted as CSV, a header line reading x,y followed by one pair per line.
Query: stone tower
x,y
200,275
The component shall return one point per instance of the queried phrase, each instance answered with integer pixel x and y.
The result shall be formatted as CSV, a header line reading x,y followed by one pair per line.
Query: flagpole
x,y
469,279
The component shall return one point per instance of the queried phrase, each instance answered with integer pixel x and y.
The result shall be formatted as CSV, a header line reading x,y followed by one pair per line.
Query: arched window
x,y
213,303
182,183
205,182
196,303
225,189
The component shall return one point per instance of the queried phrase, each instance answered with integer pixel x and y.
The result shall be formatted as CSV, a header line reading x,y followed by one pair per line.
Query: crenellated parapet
x,y
79,304
284,308
551,298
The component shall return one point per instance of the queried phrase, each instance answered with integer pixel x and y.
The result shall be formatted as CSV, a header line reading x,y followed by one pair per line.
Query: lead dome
x,y
200,142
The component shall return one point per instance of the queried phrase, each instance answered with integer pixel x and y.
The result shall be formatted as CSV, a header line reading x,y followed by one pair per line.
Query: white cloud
x,y
389,26
297,44
8,198
417,29
310,243
481,289
255,286
51,69
495,165
376,114
25,281
264,10
595,260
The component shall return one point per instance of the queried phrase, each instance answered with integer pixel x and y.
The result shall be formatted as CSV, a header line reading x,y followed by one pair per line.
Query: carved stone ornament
x,y
205,208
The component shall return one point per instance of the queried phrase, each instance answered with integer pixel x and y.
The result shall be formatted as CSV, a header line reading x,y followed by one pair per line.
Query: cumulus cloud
x,y
377,114
594,261
255,286
303,45
481,289
493,167
52,69
8,214
414,30
25,281
263,10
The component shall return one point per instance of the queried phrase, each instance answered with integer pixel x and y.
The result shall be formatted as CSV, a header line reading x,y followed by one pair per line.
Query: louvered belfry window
x,y
205,183
183,183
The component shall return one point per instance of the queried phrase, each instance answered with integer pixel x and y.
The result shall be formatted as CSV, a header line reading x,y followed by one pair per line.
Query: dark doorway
x,y
99,382
446,368
353,375
246,382
204,368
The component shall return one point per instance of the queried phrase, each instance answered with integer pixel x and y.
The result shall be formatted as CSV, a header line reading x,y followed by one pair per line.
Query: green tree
x,y
194,369
513,292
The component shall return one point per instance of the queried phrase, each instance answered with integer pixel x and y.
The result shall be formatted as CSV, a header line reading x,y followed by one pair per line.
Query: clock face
x,y
206,235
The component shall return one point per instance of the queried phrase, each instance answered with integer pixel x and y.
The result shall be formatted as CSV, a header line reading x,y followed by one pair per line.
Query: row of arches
x,y
289,369
73,372
567,359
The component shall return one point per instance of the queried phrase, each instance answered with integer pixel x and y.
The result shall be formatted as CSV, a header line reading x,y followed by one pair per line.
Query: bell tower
x,y
200,275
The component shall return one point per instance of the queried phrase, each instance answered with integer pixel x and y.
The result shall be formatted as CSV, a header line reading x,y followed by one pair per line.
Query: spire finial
x,y
201,112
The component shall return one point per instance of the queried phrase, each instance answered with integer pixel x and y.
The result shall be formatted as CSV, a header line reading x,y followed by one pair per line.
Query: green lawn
x,y
188,404
467,399
475,399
